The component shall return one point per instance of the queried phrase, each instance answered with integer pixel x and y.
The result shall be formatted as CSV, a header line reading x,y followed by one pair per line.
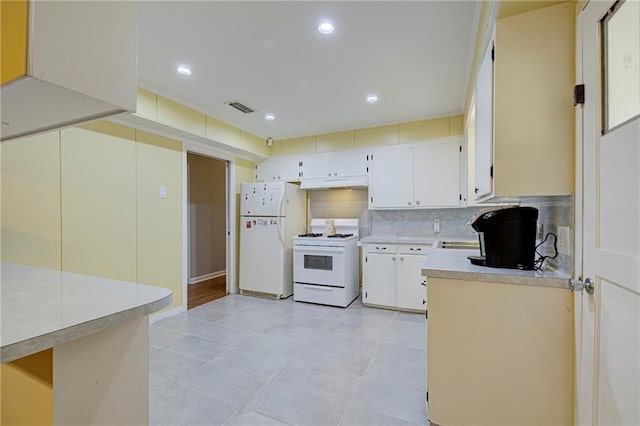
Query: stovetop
x,y
318,235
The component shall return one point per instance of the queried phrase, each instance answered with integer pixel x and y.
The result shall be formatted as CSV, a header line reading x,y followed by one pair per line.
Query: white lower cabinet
x,y
392,276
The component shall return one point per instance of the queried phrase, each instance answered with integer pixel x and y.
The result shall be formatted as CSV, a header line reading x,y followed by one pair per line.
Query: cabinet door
x,y
484,126
391,178
275,169
411,292
379,279
335,164
437,174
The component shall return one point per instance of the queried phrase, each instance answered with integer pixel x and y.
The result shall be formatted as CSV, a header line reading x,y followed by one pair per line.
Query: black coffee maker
x,y
507,237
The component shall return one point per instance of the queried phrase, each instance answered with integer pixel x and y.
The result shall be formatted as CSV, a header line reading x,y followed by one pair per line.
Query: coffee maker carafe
x,y
507,237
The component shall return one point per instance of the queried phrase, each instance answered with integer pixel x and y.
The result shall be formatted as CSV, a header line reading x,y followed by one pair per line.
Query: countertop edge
x,y
560,283
36,344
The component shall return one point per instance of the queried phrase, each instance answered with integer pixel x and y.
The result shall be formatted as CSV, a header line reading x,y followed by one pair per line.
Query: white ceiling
x,y
415,56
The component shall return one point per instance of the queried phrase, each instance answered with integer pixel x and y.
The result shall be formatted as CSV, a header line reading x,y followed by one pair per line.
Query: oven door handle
x,y
318,250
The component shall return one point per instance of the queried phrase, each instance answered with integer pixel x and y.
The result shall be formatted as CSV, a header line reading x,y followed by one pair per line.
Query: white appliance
x,y
271,214
326,267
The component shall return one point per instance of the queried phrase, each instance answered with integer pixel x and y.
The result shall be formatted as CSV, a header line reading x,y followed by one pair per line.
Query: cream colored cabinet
x,y
44,85
499,353
392,276
279,169
437,173
525,143
422,175
391,178
335,165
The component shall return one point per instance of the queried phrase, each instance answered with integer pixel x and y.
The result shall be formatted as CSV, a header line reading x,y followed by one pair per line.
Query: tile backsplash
x,y
347,203
419,222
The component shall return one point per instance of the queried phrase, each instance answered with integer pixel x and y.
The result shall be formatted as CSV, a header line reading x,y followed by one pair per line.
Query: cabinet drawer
x,y
381,248
414,249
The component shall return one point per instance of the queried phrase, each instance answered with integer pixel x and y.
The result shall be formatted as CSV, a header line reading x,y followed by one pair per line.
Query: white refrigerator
x,y
271,214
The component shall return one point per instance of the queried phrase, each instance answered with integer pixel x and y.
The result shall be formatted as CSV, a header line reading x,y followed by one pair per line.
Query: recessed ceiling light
x,y
372,99
269,117
326,28
184,70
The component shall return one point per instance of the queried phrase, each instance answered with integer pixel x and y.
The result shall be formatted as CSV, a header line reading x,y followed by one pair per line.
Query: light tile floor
x,y
243,360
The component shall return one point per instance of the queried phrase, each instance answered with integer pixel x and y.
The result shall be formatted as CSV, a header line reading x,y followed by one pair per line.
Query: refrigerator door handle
x,y
280,233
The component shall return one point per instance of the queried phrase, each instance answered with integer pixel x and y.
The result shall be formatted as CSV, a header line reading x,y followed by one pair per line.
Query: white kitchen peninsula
x,y
74,348
500,343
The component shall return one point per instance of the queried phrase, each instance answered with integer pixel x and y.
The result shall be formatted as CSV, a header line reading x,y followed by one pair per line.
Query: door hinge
x,y
427,396
300,164
578,94
367,158
366,295
367,169
371,157
371,200
493,53
491,171
460,148
460,197
366,259
426,314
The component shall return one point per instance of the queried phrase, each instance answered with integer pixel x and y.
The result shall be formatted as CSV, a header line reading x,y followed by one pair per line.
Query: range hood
x,y
335,182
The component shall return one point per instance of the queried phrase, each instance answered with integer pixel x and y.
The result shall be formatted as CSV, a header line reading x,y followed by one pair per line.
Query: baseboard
x,y
201,278
165,314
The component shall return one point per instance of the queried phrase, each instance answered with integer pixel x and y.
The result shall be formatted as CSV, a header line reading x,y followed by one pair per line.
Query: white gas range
x,y
325,267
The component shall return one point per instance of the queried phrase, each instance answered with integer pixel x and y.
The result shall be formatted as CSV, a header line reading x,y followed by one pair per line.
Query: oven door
x,y
319,265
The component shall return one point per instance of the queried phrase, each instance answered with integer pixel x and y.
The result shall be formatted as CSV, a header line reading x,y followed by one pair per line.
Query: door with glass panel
x,y
608,214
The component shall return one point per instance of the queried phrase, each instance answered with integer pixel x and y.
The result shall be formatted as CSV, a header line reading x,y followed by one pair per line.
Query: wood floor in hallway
x,y
206,291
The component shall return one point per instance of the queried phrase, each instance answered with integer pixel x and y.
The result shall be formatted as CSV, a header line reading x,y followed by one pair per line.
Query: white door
x,y
391,178
483,157
379,280
437,173
262,254
608,187
411,283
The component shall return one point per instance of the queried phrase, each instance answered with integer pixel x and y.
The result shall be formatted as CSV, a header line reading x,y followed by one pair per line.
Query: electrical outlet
x,y
564,240
436,225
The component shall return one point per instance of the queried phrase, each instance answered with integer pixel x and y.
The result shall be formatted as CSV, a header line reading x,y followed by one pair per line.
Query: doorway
x,y
206,229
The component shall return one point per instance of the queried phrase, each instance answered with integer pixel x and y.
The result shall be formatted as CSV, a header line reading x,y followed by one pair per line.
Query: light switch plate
x,y
564,240
436,225
163,192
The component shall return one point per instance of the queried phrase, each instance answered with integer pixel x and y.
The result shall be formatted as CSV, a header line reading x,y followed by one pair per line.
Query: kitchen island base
x,y
499,353
97,379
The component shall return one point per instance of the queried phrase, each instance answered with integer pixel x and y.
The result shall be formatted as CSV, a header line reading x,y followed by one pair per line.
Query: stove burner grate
x,y
310,235
340,236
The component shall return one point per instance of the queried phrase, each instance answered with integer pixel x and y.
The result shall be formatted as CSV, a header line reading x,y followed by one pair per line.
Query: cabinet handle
x,y
408,203
424,283
329,174
476,190
419,249
393,258
402,259
417,202
335,174
381,248
424,301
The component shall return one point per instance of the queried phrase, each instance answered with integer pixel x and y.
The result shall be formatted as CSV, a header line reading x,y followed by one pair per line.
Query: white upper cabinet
x,y
423,175
52,88
279,169
391,178
437,173
524,114
483,160
335,165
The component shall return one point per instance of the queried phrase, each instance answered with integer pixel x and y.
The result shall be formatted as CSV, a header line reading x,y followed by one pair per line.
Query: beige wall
x,y
373,136
207,215
86,200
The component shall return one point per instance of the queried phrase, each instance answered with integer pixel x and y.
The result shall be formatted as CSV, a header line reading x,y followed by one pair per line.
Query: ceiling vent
x,y
240,107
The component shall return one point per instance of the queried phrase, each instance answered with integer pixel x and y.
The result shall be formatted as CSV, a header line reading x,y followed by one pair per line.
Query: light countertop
x,y
409,239
453,264
43,308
